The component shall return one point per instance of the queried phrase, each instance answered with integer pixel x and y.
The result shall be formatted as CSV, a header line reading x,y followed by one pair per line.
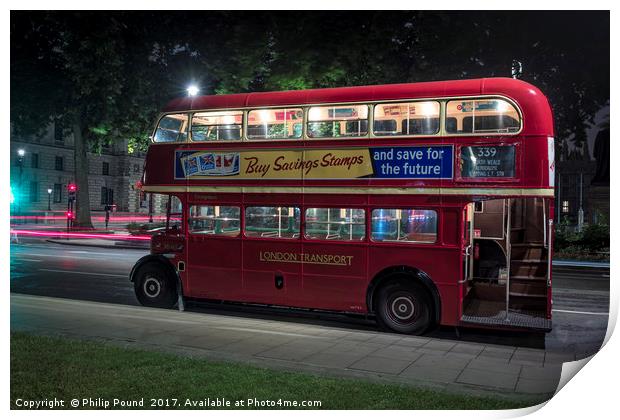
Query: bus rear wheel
x,y
403,307
154,287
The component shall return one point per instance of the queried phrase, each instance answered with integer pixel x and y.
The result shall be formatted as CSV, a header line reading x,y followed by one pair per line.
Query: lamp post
x,y
150,207
49,199
517,69
20,163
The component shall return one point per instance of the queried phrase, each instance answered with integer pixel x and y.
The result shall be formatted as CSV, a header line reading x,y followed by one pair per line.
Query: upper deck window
x,y
172,128
275,123
482,116
217,126
338,121
406,119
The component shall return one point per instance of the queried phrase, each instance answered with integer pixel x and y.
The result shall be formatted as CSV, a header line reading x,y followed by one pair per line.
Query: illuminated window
x,y
407,118
481,116
272,222
275,123
172,128
217,126
338,121
404,225
335,224
565,206
214,220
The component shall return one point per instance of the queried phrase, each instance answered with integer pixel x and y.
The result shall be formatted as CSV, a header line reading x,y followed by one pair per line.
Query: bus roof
x,y
533,103
513,88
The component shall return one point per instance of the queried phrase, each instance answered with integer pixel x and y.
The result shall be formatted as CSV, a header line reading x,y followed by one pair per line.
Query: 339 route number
x,y
486,151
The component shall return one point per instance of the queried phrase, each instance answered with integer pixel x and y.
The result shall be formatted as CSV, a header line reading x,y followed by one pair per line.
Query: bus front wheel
x,y
403,307
154,287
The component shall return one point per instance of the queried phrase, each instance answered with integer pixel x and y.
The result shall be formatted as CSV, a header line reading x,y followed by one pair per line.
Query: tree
x,y
89,71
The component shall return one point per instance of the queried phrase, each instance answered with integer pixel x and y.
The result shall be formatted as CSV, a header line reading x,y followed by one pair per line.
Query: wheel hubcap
x,y
403,308
152,287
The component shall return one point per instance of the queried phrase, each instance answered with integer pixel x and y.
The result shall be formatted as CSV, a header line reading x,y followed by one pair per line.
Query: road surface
x,y
581,297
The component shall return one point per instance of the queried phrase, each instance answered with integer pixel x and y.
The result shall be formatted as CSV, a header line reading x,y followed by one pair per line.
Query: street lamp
x,y
49,199
20,163
192,90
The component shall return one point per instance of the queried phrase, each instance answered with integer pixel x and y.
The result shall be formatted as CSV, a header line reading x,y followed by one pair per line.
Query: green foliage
x,y
116,71
592,240
595,237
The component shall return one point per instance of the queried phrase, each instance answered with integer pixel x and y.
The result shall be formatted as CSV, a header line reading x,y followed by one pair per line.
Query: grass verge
x,y
44,368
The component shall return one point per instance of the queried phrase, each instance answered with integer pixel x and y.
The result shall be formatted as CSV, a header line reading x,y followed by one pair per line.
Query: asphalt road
x,y
581,296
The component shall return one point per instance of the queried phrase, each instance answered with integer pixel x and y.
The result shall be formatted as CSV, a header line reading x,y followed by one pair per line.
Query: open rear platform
x,y
493,313
507,264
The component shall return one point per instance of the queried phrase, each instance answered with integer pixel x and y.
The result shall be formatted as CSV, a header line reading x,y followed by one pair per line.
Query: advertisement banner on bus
x,y
399,162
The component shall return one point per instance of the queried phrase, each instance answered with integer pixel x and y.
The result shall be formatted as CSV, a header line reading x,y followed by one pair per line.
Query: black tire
x,y
154,286
403,307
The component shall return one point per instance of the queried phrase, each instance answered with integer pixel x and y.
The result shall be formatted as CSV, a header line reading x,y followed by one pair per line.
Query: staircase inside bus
x,y
506,263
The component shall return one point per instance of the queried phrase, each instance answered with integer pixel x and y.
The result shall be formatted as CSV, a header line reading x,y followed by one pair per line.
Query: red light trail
x,y
80,235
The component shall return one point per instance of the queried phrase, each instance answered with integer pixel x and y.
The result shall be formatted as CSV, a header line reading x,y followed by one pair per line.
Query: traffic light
x,y
71,190
70,215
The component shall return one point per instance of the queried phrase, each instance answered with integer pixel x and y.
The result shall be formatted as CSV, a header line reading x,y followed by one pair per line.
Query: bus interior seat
x,y
258,131
420,126
229,132
385,127
490,123
451,126
353,127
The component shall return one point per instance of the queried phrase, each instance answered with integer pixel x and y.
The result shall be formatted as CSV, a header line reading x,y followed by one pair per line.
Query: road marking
x,y
97,253
84,272
29,259
73,257
580,312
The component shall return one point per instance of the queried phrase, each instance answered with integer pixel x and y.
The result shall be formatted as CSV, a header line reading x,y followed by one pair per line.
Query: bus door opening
x,y
510,278
467,246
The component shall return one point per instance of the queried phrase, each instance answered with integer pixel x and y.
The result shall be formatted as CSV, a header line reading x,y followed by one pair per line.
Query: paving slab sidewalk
x,y
475,369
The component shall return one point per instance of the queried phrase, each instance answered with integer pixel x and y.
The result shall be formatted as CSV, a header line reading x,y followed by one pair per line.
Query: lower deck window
x,y
404,225
335,224
272,222
214,220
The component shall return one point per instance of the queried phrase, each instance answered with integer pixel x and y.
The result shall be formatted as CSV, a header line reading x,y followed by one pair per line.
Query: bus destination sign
x,y
488,162
398,162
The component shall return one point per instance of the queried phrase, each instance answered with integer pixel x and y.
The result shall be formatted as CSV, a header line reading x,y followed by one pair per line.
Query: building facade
x,y
582,182
43,166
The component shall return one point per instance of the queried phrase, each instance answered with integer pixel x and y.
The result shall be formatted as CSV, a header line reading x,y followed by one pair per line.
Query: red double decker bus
x,y
422,204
